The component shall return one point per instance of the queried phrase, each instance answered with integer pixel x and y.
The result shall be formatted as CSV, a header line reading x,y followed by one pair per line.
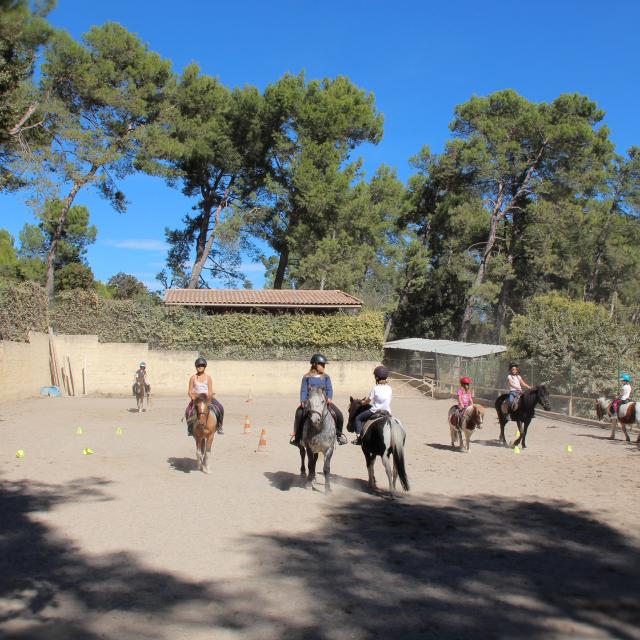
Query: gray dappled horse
x,y
318,436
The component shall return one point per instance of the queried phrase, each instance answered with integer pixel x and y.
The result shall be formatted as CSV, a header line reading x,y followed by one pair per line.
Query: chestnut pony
x,y
203,431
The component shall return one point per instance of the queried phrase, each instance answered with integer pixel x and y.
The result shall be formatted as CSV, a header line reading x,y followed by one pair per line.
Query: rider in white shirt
x,y
379,398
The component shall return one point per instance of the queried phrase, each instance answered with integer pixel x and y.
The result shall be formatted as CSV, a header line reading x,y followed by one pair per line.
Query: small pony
x,y
626,414
203,431
140,392
383,436
472,417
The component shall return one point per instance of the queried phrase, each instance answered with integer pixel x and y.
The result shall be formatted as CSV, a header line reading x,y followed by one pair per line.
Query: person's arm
x,y
304,392
210,388
523,383
190,388
329,388
460,405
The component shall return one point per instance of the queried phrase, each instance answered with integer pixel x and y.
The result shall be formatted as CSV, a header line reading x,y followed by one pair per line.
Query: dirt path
x,y
132,542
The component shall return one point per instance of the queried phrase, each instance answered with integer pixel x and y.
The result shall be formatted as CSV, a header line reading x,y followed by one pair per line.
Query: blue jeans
x,y
360,419
512,397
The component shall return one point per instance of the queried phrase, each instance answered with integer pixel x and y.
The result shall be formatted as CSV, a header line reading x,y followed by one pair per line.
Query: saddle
x,y
379,415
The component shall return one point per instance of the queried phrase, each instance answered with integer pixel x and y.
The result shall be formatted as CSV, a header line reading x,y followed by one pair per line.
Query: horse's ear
x,y
350,399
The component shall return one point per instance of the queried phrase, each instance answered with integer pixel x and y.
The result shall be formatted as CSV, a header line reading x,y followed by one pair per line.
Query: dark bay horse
x,y
524,413
318,436
203,431
384,437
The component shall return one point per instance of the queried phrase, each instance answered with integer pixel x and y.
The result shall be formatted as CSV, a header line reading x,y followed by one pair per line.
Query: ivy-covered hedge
x,y
221,336
23,308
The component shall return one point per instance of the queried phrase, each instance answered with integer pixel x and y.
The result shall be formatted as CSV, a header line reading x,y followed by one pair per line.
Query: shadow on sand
x,y
186,465
422,567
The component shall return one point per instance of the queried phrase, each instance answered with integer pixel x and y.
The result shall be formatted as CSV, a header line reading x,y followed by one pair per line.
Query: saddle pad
x,y
369,422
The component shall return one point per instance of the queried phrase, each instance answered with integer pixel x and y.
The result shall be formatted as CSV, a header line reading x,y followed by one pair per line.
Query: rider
x,y
316,377
516,382
379,400
200,384
465,397
142,372
625,393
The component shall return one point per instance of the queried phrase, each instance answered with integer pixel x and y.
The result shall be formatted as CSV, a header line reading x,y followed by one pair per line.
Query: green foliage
x,y
232,335
8,256
574,344
23,308
23,30
125,286
74,275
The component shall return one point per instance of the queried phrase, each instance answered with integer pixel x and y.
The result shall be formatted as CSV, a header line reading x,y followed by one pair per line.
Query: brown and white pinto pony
x,y
472,418
627,414
203,431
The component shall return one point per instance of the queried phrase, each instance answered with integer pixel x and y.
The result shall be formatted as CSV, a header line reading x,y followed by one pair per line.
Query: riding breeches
x,y
360,419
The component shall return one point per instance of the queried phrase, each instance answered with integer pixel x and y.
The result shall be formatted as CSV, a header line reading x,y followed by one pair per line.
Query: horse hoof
x,y
205,469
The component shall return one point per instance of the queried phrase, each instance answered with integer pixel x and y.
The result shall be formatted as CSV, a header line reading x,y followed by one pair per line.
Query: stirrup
x,y
341,438
292,441
357,440
219,430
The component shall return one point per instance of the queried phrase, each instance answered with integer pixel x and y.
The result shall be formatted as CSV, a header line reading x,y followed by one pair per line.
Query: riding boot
x,y
297,428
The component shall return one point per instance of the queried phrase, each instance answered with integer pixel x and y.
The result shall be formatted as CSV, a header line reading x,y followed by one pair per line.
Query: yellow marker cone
x,y
517,434
516,449
119,431
79,431
569,448
20,453
247,425
87,451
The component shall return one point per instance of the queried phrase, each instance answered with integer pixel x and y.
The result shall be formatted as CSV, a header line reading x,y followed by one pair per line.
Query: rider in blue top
x,y
316,377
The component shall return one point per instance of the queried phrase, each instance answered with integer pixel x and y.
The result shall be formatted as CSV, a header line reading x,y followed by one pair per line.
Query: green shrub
x,y
222,336
23,308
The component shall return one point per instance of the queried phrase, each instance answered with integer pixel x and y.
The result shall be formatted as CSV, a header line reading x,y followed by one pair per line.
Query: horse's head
x,y
478,414
201,407
355,406
543,397
602,405
316,406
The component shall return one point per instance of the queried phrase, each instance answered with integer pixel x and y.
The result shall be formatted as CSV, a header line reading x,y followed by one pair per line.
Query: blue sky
x,y
419,58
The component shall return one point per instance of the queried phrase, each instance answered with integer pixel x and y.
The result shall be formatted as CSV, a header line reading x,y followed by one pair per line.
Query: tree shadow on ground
x,y
423,567
481,567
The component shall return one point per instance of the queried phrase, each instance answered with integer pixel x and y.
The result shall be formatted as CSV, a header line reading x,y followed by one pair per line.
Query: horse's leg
x,y
467,435
326,469
502,422
454,434
519,434
208,453
302,467
524,433
614,424
311,466
624,431
370,459
198,455
387,468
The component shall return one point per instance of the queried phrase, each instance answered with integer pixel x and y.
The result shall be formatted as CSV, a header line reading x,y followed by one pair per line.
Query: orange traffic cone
x,y
262,445
247,425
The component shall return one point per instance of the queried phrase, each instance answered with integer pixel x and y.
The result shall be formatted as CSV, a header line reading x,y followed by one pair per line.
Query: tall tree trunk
x,y
590,289
501,311
496,217
59,228
206,238
282,267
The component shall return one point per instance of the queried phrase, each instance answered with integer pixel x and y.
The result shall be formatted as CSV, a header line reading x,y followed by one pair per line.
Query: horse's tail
x,y
397,448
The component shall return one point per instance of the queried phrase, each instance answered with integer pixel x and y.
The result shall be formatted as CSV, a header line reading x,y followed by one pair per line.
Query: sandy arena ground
x,y
133,543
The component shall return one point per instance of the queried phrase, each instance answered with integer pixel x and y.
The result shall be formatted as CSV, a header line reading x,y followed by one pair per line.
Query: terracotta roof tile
x,y
303,298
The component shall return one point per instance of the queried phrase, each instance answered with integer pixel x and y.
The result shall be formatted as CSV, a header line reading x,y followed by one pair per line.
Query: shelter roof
x,y
446,347
271,298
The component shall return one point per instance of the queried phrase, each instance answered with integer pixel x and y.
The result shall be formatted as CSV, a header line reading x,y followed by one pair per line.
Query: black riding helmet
x,y
318,358
514,364
381,372
201,362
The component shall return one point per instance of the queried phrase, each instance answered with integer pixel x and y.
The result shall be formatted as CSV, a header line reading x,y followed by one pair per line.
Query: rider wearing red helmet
x,y
465,396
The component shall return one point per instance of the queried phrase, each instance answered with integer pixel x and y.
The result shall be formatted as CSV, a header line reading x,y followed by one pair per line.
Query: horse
x,y
384,436
627,413
318,436
140,391
524,411
472,417
203,431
